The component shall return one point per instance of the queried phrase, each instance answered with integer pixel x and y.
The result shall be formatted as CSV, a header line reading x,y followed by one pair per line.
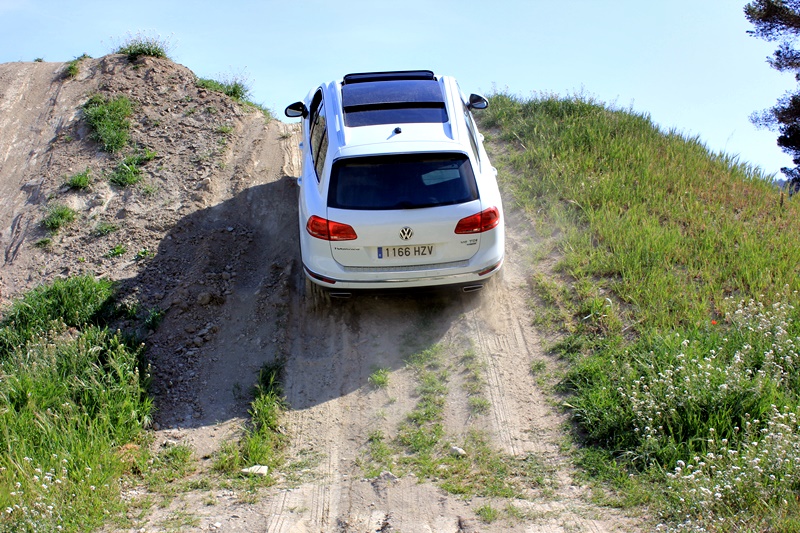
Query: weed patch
x,y
143,45
74,66
236,87
474,383
116,251
487,513
128,171
104,228
144,254
379,378
264,441
108,119
58,216
71,393
79,181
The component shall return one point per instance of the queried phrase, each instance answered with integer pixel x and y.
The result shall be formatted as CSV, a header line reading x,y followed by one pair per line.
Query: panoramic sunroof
x,y
394,101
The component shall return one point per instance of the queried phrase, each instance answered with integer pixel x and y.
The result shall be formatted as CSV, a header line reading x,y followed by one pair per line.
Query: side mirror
x,y
476,101
297,109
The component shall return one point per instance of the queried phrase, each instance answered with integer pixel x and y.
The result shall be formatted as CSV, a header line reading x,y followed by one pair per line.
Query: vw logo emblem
x,y
406,233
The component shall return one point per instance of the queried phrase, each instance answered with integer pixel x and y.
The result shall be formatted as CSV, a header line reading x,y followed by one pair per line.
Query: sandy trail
x,y
331,350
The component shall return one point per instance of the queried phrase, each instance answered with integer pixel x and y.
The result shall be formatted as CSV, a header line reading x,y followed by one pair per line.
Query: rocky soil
x,y
210,241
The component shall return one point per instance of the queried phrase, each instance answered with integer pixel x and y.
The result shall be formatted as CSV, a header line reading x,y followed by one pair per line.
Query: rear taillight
x,y
479,222
329,230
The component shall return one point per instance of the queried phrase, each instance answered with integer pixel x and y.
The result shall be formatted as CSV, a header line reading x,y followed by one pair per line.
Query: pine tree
x,y
779,20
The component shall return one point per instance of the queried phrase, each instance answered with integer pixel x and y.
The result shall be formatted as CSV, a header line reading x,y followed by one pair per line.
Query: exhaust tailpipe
x,y
342,295
472,288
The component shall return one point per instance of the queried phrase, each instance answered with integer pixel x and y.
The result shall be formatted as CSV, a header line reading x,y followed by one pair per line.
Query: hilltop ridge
x,y
44,141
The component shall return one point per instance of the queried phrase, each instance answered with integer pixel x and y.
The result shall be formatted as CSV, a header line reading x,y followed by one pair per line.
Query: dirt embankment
x,y
210,238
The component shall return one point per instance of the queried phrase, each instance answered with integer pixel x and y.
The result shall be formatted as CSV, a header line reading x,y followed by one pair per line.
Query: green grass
x,y
487,513
144,254
144,45
58,216
104,228
264,441
128,171
474,382
676,297
479,405
108,119
71,394
74,66
163,471
238,88
79,181
116,251
379,378
422,446
235,87
537,367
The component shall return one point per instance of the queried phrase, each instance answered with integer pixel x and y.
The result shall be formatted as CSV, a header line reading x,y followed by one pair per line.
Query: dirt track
x,y
226,269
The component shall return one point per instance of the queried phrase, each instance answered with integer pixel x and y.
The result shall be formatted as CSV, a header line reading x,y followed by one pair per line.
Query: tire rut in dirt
x,y
335,350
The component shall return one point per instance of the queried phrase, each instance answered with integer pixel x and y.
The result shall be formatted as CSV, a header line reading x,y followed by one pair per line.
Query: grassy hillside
x,y
71,393
674,285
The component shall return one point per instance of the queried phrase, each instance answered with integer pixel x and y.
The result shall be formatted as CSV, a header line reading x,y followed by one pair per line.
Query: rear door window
x,y
402,181
318,133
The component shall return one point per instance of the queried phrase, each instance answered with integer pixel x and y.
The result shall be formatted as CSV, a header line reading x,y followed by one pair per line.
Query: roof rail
x,y
363,77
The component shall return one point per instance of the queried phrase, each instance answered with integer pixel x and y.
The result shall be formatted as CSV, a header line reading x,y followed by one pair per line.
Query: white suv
x,y
396,188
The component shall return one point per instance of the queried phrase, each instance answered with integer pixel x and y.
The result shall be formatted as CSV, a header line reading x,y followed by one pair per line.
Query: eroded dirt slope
x,y
210,239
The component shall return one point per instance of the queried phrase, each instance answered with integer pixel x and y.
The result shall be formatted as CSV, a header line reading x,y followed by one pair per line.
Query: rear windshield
x,y
404,181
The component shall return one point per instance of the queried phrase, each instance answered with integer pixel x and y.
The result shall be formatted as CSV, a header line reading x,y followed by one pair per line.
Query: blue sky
x,y
688,63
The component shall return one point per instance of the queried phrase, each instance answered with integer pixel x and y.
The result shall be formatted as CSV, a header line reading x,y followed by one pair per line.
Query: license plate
x,y
399,252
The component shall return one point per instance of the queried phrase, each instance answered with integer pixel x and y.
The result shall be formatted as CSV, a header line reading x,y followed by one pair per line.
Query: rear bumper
x,y
396,280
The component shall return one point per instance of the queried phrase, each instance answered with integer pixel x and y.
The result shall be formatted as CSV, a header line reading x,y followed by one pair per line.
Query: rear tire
x,y
316,295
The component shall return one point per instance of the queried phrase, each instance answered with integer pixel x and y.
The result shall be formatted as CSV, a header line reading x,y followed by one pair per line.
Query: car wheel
x,y
316,296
